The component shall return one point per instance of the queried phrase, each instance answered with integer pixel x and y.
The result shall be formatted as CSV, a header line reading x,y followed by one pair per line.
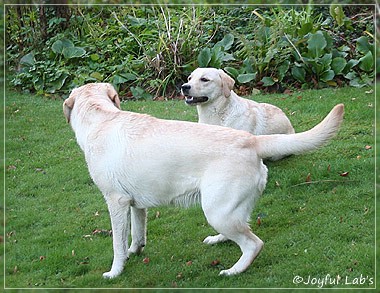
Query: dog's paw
x,y
136,249
112,274
229,272
215,239
109,275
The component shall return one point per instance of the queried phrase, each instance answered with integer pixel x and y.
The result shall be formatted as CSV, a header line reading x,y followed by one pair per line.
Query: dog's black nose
x,y
185,87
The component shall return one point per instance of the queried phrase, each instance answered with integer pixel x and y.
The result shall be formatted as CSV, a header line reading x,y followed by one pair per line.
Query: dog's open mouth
x,y
195,100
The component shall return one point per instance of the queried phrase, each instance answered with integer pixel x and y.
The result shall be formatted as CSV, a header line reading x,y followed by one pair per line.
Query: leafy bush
x,y
308,56
149,51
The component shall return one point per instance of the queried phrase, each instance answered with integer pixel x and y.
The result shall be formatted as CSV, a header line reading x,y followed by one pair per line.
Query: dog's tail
x,y
291,144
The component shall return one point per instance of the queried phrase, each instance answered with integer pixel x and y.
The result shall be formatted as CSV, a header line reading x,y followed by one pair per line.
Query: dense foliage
x,y
148,51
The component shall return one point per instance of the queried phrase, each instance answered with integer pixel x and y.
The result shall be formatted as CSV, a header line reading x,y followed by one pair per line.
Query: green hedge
x,y
148,51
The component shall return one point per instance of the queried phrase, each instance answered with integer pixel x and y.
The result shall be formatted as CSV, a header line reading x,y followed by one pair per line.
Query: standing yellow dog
x,y
138,161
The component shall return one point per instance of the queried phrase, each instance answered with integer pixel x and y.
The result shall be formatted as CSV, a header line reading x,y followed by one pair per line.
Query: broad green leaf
x,y
363,46
140,94
121,78
366,63
305,29
351,63
226,57
216,57
232,71
59,45
338,64
97,75
327,75
246,77
226,42
316,43
298,73
325,60
28,60
338,53
117,79
267,81
271,53
128,76
357,82
351,75
247,66
283,69
73,52
204,57
58,83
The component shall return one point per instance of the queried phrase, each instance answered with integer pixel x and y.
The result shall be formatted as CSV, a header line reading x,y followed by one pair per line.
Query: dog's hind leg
x,y
237,230
138,224
119,209
231,220
250,246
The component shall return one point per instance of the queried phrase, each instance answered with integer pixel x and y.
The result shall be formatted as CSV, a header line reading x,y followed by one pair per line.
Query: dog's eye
x,y
189,78
204,79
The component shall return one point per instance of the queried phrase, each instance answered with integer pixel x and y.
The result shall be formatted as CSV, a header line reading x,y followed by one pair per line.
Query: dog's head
x,y
100,90
207,84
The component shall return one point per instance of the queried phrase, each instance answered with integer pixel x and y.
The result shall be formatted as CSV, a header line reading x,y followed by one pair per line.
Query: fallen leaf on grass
x,y
215,262
40,170
189,263
146,260
308,178
102,232
11,167
344,174
368,147
258,221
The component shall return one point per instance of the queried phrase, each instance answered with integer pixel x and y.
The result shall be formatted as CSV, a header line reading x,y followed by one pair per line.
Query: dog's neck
x,y
215,112
82,117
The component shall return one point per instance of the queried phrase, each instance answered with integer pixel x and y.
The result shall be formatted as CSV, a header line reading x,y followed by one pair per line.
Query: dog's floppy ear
x,y
68,105
227,83
114,97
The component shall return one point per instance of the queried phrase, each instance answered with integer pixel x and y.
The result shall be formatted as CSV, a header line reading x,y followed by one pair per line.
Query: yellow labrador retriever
x,y
210,89
139,161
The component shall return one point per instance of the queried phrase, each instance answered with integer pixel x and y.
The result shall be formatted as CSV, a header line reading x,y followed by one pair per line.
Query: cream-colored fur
x,y
139,161
210,89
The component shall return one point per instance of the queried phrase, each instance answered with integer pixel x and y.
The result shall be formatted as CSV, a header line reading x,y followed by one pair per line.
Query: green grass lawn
x,y
321,231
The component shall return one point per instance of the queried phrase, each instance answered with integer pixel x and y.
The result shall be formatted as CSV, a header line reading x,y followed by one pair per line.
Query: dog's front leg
x,y
119,208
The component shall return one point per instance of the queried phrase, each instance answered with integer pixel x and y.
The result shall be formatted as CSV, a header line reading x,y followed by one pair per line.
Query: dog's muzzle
x,y
190,100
